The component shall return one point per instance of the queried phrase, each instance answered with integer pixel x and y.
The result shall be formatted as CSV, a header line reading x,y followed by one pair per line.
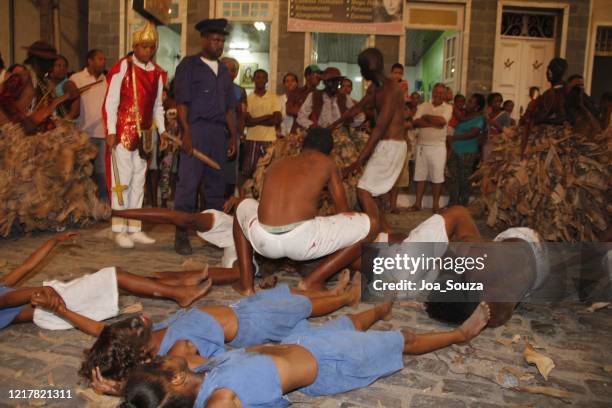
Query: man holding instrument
x,y
133,102
205,101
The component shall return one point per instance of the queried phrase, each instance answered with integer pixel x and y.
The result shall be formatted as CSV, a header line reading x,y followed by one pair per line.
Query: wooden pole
x,y
47,30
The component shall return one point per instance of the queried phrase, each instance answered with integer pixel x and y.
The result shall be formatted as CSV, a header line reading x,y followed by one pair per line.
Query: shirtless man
x,y
386,149
337,357
505,284
213,226
285,224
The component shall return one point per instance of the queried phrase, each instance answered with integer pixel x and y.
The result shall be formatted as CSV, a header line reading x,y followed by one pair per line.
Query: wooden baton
x,y
198,154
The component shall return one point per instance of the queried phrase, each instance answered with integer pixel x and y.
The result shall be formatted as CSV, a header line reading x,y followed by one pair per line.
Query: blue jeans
x,y
100,167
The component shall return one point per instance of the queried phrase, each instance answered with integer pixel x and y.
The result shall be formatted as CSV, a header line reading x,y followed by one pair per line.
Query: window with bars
x,y
450,58
246,9
535,25
603,42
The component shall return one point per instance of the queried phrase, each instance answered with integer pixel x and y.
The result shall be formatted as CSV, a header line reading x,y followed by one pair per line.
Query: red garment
x,y
455,120
146,89
147,83
9,95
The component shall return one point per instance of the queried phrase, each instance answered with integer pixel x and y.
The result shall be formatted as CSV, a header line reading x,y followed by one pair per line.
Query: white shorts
x,y
95,296
384,167
429,163
221,235
428,240
312,239
539,251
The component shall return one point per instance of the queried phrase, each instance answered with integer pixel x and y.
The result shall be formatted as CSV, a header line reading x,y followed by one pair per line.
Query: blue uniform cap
x,y
214,25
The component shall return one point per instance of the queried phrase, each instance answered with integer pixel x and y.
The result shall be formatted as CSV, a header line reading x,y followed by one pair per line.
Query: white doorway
x,y
519,65
527,38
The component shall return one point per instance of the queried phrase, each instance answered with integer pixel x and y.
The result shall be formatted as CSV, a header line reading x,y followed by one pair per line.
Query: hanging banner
x,y
346,16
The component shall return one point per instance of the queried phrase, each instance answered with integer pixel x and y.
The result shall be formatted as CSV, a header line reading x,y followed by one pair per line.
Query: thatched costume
x,y
45,179
561,189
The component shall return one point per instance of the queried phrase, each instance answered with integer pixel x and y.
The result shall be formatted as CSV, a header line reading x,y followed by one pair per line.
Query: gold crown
x,y
148,33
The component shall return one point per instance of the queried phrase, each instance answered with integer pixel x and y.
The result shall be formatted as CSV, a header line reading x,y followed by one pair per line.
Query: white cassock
x,y
131,167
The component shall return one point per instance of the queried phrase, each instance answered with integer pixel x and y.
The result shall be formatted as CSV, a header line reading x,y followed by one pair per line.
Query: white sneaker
x,y
141,238
123,240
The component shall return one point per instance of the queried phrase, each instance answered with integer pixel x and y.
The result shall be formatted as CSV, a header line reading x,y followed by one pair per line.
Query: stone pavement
x,y
459,376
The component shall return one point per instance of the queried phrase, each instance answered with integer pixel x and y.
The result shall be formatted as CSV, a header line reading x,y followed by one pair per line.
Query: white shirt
x,y
288,120
213,64
90,116
330,112
114,95
431,136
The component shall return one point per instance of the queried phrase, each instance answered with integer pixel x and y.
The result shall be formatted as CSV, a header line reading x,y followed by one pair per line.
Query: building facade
x,y
471,45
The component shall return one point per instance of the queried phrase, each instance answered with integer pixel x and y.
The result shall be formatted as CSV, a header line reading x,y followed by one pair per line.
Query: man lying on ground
x,y
331,359
267,316
521,267
284,223
213,226
95,296
428,239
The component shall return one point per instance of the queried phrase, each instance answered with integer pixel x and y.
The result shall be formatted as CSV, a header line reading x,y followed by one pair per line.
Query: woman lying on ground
x,y
197,333
334,358
94,296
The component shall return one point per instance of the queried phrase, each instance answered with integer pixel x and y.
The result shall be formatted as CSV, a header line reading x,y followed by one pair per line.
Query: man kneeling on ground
x,y
284,223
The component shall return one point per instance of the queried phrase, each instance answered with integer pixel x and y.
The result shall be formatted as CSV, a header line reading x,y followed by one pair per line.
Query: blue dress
x,y
7,315
253,377
269,316
348,359
200,328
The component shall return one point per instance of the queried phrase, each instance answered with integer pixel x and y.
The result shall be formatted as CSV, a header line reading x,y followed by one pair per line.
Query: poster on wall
x,y
246,73
347,16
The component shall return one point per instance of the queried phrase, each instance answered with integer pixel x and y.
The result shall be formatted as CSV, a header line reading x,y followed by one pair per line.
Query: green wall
x,y
433,63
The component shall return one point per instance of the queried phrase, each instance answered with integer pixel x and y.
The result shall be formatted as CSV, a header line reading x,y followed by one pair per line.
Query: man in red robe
x,y
133,104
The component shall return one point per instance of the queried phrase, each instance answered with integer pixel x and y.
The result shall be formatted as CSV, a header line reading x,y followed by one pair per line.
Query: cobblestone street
x,y
579,342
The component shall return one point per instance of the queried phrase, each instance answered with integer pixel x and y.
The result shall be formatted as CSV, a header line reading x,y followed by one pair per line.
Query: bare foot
x,y
306,287
268,282
386,308
195,279
244,292
436,210
476,322
414,208
343,280
354,290
192,293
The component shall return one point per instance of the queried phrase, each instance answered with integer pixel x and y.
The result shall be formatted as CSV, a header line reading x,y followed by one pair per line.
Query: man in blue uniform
x,y
205,101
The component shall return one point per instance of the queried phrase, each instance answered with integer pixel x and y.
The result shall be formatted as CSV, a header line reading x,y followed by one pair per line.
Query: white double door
x,y
519,65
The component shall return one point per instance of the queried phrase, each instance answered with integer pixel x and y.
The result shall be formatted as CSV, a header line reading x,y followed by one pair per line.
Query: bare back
x,y
292,188
389,104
